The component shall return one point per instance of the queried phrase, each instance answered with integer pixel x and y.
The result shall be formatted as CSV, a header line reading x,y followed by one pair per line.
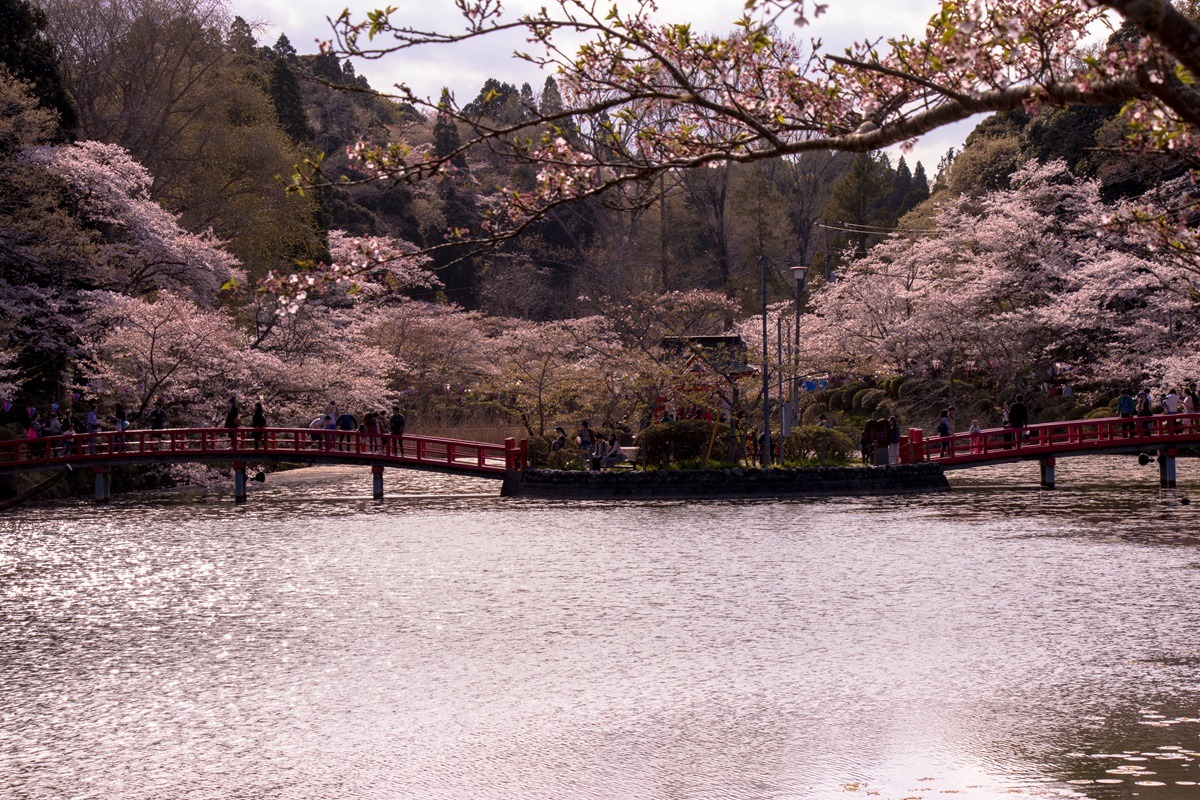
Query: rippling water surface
x,y
993,641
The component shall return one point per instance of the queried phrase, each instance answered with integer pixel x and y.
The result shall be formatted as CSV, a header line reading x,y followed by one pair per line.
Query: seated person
x,y
612,452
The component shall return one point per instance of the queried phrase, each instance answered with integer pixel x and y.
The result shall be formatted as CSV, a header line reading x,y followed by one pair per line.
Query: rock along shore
x,y
731,483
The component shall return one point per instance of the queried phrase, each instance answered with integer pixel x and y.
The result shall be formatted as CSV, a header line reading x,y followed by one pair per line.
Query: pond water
x,y
993,641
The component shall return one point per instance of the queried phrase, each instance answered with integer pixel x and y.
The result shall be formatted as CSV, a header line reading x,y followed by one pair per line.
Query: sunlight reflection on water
x,y
996,640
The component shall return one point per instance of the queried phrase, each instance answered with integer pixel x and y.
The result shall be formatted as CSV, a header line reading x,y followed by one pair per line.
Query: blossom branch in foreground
x,y
644,98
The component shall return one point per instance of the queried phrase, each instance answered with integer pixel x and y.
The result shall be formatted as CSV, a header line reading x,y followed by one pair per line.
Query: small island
x,y
731,482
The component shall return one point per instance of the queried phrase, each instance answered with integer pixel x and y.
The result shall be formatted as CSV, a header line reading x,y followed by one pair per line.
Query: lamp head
x,y
800,274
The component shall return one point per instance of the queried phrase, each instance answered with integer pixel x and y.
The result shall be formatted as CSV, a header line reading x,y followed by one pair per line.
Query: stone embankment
x,y
731,483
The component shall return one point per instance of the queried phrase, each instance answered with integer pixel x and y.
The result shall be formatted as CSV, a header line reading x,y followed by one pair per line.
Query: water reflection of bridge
x,y
1155,437
101,451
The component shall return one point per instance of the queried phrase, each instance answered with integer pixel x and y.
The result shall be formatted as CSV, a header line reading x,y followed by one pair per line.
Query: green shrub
x,y
539,450
1100,413
681,441
813,413
822,444
869,399
892,385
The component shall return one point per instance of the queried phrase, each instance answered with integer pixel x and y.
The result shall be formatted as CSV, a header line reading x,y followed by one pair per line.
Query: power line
x,y
854,227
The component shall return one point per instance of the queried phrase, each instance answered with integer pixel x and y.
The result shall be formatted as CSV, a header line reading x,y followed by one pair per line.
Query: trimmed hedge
x,y
682,440
823,444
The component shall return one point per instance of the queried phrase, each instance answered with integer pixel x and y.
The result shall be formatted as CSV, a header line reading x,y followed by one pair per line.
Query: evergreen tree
x,y
860,203
493,97
920,188
528,105
459,275
445,132
283,87
326,67
902,185
551,101
241,38
283,48
29,55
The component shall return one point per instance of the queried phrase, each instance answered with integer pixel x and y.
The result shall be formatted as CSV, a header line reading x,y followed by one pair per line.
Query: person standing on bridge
x,y
1126,408
893,440
257,423
1145,408
317,424
93,427
232,414
346,422
1170,405
1018,417
943,429
122,425
1170,402
396,429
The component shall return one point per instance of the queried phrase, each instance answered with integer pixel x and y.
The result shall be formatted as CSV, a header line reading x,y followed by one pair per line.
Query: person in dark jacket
x,y
1018,416
258,422
396,428
232,414
346,422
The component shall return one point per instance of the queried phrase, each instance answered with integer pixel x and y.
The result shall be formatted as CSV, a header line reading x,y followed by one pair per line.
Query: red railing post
x,y
524,454
916,444
510,453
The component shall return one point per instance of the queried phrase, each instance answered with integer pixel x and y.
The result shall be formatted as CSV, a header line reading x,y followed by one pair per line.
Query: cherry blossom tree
x,y
541,372
170,348
1008,286
144,246
434,347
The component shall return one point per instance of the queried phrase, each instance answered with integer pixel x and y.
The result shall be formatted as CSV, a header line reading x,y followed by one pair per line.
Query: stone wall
x,y
738,482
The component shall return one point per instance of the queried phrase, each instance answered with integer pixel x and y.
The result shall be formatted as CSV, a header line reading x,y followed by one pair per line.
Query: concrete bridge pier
x,y
239,482
103,484
1166,467
1047,465
377,482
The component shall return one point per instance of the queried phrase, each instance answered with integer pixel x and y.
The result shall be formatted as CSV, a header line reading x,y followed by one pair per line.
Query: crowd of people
x,y
86,420
599,452
1014,416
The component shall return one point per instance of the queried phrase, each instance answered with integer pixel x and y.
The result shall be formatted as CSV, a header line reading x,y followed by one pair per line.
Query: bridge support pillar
x,y
1166,468
103,484
377,482
1047,465
513,478
239,482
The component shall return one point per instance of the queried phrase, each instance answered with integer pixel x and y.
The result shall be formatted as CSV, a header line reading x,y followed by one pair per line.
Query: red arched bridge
x,y
103,449
1160,435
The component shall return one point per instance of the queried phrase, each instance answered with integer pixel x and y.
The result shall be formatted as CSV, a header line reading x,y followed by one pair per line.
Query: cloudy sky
x,y
464,68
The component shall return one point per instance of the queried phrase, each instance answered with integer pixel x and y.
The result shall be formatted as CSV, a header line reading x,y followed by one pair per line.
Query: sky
x,y
463,69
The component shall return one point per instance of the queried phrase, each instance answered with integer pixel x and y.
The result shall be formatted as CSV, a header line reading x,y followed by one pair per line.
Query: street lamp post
x,y
799,276
764,456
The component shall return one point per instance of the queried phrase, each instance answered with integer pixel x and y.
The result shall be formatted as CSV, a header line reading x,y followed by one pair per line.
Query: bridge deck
x,y
304,445
1056,439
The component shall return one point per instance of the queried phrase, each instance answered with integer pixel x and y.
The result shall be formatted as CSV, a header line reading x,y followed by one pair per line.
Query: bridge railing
x,y
1049,437
242,444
